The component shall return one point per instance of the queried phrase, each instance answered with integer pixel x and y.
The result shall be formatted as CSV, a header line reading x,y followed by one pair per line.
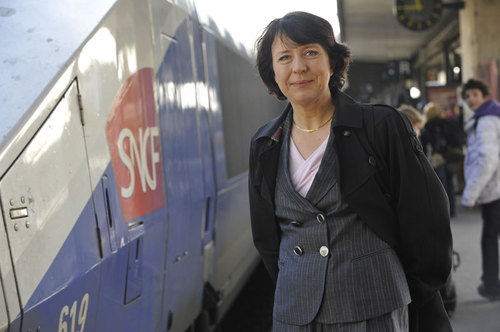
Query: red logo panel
x,y
133,136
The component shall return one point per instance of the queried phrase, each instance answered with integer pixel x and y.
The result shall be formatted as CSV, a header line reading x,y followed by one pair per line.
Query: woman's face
x,y
474,98
302,72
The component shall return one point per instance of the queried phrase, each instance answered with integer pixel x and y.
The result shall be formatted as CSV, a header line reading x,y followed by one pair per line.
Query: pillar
x,y
480,40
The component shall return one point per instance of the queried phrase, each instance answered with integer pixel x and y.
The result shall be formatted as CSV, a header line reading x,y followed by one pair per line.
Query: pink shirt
x,y
303,171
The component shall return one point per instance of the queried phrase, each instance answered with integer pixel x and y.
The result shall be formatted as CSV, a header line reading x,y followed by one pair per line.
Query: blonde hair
x,y
412,114
433,110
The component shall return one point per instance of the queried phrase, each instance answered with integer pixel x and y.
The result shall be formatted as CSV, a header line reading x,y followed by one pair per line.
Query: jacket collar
x,y
348,114
348,111
490,107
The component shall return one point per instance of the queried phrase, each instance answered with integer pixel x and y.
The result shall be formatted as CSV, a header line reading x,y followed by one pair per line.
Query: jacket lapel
x,y
269,139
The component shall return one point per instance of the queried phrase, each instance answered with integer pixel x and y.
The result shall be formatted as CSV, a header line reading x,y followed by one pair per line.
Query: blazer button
x,y
298,251
295,223
347,133
372,161
323,251
320,218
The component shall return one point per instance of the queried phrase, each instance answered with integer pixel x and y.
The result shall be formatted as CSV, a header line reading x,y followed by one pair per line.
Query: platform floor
x,y
473,313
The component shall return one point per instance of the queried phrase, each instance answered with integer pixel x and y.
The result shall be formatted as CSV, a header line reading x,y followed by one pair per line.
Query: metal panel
x,y
183,179
51,180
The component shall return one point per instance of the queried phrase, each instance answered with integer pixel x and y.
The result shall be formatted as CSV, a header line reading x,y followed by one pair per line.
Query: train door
x,y
184,183
50,224
206,123
130,209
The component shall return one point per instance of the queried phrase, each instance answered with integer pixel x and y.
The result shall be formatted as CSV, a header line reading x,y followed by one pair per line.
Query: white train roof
x,y
38,39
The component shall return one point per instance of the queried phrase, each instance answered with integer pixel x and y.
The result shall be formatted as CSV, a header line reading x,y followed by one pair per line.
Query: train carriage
x,y
123,166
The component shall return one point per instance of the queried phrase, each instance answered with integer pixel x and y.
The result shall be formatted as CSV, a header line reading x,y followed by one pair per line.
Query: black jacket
x,y
386,179
439,134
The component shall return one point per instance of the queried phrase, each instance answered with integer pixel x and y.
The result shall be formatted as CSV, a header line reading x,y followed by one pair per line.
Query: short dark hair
x,y
302,28
475,84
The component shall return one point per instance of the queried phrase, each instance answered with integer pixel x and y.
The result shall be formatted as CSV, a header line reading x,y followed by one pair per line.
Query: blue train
x,y
123,166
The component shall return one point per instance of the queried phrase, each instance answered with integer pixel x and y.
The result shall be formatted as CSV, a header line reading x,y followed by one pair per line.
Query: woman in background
x,y
416,120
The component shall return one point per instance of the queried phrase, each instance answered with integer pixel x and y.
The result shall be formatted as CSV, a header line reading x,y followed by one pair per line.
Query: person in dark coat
x,y
350,220
443,142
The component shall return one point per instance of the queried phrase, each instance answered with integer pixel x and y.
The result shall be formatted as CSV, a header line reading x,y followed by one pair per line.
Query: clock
x,y
418,15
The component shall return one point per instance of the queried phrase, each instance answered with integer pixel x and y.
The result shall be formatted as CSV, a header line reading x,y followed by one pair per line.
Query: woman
x,y
336,193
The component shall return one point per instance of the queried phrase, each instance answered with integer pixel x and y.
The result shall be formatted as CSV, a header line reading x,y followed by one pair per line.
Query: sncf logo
x,y
134,142
136,157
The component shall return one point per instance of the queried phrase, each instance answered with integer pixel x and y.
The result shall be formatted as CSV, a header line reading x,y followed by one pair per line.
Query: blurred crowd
x,y
465,154
443,138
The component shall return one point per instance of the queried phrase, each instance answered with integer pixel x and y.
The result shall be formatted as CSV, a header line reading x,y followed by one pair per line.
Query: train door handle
x,y
133,284
109,214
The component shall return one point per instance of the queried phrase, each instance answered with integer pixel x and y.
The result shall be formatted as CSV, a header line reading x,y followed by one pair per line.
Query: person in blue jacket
x,y
350,220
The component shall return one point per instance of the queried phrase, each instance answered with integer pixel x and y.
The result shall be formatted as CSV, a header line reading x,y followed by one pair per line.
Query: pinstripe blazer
x,y
332,266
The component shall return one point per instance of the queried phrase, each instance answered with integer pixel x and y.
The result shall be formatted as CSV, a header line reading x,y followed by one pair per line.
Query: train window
x,y
246,106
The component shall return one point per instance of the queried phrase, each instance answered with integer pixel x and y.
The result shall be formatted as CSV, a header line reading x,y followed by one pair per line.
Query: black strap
x,y
415,142
367,137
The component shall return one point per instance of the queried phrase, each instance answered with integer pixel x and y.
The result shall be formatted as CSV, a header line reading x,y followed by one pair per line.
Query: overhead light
x,y
415,92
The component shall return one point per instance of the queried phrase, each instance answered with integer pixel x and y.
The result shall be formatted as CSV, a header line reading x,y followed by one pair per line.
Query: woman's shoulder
x,y
389,115
383,122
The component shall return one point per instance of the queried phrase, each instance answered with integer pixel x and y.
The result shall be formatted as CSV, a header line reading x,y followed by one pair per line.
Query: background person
x,y
442,142
416,120
335,197
482,177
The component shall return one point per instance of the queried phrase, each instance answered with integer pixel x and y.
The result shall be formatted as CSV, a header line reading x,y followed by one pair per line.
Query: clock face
x,y
418,14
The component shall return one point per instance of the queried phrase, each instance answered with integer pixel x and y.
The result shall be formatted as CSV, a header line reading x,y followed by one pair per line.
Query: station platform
x,y
473,313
